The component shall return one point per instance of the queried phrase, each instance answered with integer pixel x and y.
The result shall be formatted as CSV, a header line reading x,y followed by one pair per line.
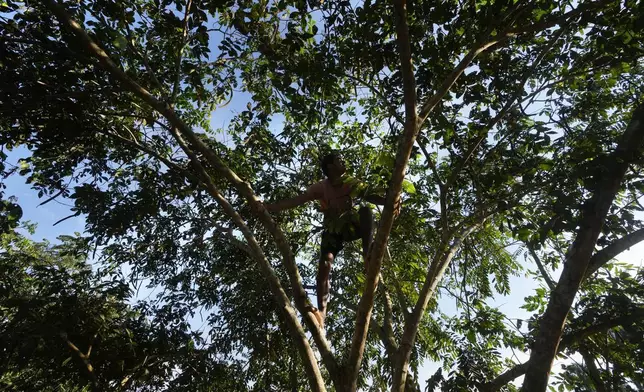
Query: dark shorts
x,y
333,240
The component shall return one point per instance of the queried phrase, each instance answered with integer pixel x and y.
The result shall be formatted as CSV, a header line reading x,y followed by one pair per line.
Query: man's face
x,y
340,167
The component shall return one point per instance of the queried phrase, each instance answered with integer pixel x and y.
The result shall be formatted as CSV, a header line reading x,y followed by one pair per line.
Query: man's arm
x,y
293,202
380,200
362,190
375,199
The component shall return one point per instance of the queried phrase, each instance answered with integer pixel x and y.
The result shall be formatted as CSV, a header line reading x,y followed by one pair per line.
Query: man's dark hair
x,y
327,160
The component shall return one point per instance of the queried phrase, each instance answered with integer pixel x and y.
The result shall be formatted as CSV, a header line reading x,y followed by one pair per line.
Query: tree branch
x,y
554,21
482,46
149,151
435,273
146,63
400,296
53,197
613,249
177,65
593,372
387,324
292,321
374,258
377,93
84,358
127,380
66,218
228,233
244,189
506,108
542,269
300,296
388,341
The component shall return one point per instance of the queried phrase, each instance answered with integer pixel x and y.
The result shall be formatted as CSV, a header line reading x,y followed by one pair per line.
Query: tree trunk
x,y
566,341
578,258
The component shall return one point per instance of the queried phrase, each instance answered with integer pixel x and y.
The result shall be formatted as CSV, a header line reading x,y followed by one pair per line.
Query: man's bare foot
x,y
319,316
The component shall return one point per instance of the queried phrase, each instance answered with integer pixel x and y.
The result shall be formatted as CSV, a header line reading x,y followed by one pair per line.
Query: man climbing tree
x,y
342,221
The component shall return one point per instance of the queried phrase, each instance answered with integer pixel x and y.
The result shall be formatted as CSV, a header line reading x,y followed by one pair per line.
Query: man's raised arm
x,y
312,193
287,204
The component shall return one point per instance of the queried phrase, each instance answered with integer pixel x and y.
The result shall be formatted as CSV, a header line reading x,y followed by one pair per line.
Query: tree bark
x,y
578,258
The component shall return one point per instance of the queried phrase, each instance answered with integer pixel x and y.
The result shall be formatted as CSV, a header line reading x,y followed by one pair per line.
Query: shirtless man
x,y
342,222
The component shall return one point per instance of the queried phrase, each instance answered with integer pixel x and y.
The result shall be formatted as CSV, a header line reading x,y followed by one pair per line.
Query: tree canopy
x,y
512,132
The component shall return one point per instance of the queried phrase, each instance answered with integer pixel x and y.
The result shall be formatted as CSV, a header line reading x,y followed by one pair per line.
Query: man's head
x,y
333,165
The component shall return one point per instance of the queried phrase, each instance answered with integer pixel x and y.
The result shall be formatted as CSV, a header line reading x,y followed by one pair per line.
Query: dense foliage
x,y
65,327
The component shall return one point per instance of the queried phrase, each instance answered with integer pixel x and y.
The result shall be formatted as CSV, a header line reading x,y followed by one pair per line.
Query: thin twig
x,y
177,67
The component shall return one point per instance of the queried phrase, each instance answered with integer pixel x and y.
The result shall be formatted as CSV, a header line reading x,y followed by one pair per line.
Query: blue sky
x,y
46,215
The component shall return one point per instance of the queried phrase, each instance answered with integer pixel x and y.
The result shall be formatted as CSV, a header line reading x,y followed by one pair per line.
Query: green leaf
x,y
408,187
524,233
385,159
471,336
120,42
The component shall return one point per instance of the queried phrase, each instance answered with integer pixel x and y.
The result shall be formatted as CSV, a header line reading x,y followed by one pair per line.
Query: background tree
x,y
66,327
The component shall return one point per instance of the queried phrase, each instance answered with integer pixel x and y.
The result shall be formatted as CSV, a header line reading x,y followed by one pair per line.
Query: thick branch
x,y
284,303
578,258
572,338
365,306
612,250
388,341
595,376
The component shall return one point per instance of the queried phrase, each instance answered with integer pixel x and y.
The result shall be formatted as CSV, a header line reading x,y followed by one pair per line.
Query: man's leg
x,y
366,230
330,247
324,271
